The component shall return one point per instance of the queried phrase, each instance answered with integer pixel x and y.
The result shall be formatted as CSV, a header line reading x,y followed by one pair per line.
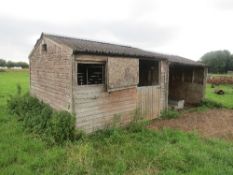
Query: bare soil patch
x,y
211,123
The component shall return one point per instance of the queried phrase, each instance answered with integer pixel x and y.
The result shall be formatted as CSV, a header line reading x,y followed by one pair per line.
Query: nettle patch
x,y
56,127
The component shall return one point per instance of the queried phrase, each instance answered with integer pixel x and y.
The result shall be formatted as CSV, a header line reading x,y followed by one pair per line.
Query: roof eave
x,y
188,64
77,52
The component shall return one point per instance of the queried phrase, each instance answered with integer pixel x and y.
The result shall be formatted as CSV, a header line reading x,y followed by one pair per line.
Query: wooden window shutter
x,y
122,73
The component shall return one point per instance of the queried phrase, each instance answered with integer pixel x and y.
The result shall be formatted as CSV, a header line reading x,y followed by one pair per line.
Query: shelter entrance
x,y
148,73
148,88
186,84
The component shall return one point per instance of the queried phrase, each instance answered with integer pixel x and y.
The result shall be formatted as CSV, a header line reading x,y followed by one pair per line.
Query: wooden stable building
x,y
100,81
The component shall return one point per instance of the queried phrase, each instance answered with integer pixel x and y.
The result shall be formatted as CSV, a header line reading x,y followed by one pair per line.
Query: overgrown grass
x,y
210,104
22,153
226,100
169,114
146,152
57,127
134,150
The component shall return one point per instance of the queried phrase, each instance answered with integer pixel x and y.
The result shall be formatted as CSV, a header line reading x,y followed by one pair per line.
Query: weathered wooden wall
x,y
50,74
96,107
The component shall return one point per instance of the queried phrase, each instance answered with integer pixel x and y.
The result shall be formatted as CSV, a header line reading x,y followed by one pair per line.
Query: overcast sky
x,y
187,28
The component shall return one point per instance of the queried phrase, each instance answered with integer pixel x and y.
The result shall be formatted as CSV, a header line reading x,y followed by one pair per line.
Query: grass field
x,y
116,151
226,99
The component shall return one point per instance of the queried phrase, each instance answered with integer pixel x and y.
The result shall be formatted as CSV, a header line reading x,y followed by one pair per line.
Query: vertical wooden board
x,y
155,96
143,101
151,104
139,100
154,102
149,101
159,97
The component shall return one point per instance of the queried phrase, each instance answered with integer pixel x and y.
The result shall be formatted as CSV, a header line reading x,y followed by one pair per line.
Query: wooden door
x,y
148,101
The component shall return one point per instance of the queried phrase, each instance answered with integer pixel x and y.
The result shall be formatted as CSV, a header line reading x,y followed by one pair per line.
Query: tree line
x,y
220,61
9,64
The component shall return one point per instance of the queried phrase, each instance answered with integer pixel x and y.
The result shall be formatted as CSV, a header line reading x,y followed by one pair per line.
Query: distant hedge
x,y
9,64
220,79
38,117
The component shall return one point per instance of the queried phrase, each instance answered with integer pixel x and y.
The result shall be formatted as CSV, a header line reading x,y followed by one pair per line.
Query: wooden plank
x,y
102,101
46,92
104,95
106,104
101,118
148,101
104,108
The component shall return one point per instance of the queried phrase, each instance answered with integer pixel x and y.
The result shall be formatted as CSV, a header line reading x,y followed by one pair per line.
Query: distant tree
x,y
22,64
10,64
2,63
13,64
218,61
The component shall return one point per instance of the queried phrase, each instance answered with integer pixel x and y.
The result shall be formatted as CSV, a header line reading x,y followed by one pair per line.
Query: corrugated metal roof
x,y
101,48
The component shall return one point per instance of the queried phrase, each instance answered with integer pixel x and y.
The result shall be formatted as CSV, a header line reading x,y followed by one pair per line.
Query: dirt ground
x,y
211,123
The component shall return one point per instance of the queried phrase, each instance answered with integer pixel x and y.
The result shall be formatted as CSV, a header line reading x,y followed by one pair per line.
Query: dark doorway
x,y
148,73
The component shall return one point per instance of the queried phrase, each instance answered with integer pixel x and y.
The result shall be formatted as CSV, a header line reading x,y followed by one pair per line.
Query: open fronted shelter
x,y
100,82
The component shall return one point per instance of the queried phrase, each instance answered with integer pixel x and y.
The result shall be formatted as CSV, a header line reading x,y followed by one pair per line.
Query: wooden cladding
x,y
148,101
50,74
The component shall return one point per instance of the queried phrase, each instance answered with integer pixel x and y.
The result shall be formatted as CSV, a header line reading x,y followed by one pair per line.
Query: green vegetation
x,y
226,100
22,153
39,118
133,150
9,64
9,81
210,104
169,114
219,61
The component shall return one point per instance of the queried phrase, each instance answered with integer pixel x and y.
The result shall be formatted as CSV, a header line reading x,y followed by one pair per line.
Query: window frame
x,y
44,48
91,62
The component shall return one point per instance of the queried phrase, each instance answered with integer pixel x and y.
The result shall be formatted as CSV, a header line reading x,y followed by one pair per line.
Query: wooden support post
x,y
193,75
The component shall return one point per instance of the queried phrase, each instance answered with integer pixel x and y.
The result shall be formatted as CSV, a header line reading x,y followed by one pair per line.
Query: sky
x,y
188,28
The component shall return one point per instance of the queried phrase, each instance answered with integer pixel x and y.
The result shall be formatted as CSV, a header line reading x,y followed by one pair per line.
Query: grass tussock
x,y
39,118
169,114
210,104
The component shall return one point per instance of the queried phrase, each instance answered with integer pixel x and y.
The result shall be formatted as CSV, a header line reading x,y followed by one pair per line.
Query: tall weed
x,y
41,119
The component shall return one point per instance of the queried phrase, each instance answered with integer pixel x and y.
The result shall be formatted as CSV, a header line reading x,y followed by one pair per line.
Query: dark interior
x,y
148,73
186,83
89,74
